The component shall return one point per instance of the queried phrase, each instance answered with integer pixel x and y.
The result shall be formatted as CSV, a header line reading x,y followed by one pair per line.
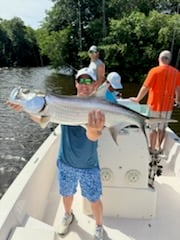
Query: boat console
x,y
125,175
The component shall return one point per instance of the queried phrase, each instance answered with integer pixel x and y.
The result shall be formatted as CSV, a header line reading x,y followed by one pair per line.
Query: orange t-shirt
x,y
162,82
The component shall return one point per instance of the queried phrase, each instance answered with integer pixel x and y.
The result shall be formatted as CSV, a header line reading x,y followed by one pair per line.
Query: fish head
x,y
19,94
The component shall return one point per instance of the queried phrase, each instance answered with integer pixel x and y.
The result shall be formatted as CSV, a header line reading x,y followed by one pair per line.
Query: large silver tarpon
x,y
73,110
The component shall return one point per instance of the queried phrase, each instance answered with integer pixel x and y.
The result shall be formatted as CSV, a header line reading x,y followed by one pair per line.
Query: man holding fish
x,y
78,159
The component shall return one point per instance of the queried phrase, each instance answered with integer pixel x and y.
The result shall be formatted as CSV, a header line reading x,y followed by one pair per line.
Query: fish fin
x,y
113,134
84,126
115,130
44,121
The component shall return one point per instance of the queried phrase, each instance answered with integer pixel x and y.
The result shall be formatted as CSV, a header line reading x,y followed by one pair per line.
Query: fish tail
x,y
44,121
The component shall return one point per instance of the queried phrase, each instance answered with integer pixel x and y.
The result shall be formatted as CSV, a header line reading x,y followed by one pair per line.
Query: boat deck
x,y
32,208
164,226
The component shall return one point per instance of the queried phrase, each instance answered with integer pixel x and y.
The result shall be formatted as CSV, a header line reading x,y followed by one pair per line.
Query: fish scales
x,y
72,110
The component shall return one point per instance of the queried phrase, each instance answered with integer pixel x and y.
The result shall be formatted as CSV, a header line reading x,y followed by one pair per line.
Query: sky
x,y
32,12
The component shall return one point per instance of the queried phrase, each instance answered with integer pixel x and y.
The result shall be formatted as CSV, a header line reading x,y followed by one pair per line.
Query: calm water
x,y
19,136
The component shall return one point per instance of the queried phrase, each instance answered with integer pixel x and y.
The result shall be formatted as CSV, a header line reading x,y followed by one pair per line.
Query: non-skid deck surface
x,y
164,226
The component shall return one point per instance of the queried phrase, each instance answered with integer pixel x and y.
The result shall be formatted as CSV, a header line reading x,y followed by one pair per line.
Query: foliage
x,y
18,45
129,34
136,31
121,8
53,45
83,18
139,40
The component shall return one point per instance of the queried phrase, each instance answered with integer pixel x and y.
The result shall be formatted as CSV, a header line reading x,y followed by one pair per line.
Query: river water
x,y
20,137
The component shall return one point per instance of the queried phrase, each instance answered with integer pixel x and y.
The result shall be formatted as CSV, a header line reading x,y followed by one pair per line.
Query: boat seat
x,y
34,229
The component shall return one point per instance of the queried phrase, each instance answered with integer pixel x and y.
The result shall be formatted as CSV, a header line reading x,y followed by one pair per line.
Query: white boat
x,y
67,71
31,209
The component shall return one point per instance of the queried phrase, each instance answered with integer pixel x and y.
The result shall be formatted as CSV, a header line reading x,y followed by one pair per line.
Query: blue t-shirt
x,y
111,96
76,150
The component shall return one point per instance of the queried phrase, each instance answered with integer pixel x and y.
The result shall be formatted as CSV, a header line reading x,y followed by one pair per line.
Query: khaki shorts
x,y
165,115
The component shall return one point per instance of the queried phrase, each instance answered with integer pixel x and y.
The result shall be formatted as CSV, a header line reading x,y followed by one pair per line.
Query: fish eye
x,y
25,91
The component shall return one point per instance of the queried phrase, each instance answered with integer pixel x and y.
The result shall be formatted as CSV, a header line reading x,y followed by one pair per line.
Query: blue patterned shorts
x,y
89,180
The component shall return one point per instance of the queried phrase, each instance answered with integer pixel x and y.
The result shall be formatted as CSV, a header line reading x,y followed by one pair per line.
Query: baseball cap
x,y
165,54
115,80
93,48
87,71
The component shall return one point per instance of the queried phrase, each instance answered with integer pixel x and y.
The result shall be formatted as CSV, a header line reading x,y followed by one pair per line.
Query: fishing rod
x,y
177,104
177,60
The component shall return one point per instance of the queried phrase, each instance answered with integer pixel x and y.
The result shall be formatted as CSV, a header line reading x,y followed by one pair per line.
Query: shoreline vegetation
x,y
129,34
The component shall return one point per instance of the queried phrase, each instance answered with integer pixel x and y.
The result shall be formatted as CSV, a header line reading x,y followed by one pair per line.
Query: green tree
x,y
22,45
85,20
4,48
120,8
133,36
134,42
54,46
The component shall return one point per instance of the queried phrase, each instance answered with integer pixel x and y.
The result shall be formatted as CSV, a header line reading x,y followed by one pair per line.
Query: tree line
x,y
130,35
18,44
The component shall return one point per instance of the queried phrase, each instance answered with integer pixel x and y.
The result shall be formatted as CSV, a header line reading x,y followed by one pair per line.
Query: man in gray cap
x,y
96,64
163,87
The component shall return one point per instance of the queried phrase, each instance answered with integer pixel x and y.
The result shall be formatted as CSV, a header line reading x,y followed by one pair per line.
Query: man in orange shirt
x,y
163,87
